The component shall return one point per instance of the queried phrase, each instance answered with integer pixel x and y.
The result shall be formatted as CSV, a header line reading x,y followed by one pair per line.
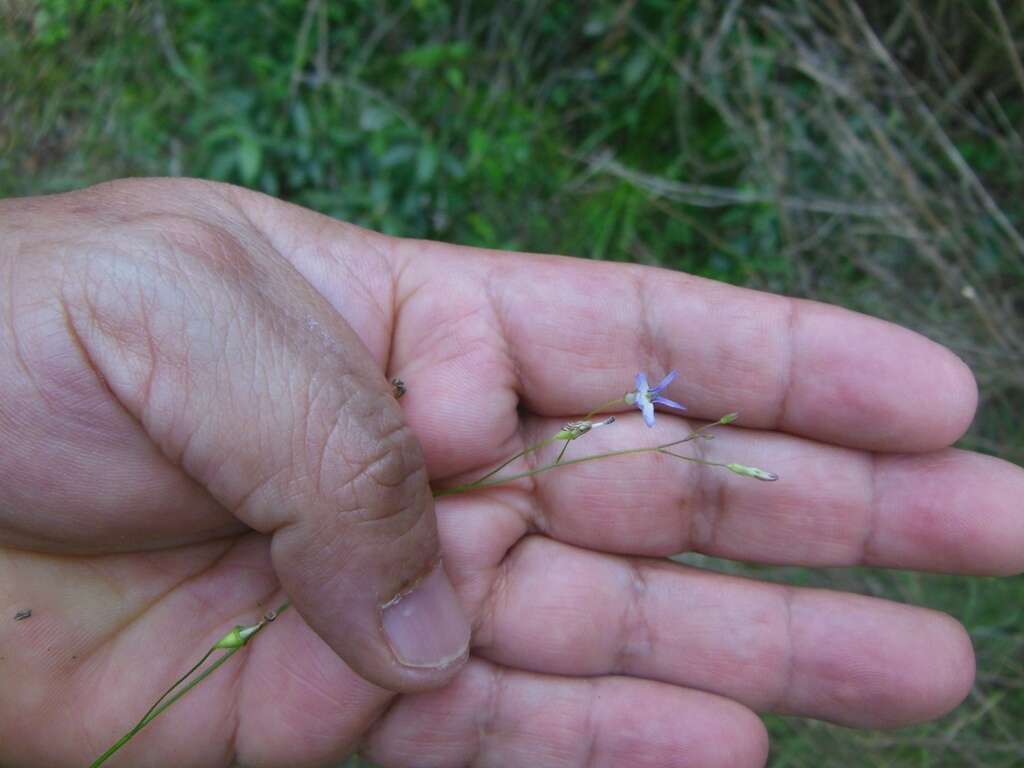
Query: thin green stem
x,y
603,407
561,453
482,481
202,676
156,710
178,682
549,467
510,459
694,459
160,705
490,483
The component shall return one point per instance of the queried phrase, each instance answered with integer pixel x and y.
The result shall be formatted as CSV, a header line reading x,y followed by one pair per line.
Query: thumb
x,y
246,378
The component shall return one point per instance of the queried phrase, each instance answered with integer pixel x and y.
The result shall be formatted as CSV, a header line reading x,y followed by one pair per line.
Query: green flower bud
x,y
575,429
238,636
754,472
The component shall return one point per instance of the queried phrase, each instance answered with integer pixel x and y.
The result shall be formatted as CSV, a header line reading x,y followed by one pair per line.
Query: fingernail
x,y
426,626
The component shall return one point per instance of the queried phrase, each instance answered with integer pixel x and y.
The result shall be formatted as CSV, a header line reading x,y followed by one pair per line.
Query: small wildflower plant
x,y
644,397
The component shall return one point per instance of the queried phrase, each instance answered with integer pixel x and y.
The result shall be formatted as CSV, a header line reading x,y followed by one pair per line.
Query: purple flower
x,y
645,397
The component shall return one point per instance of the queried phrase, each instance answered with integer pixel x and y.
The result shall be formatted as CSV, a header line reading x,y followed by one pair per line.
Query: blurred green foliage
x,y
416,120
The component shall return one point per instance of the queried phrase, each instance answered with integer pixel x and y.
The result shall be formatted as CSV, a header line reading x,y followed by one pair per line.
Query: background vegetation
x,y
869,154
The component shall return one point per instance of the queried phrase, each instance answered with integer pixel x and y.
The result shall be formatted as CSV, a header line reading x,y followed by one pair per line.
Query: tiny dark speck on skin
x,y
23,614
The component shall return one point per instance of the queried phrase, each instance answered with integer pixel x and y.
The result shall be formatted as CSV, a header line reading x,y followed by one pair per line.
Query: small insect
x,y
23,614
398,387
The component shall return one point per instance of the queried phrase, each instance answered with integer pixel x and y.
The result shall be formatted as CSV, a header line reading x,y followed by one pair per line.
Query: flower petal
x,y
666,381
641,383
648,408
670,403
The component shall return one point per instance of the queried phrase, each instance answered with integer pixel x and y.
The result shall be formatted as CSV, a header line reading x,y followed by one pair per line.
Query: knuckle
x,y
154,304
134,287
121,196
372,469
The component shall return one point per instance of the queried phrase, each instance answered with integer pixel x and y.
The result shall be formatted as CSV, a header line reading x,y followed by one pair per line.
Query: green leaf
x,y
249,157
636,67
426,163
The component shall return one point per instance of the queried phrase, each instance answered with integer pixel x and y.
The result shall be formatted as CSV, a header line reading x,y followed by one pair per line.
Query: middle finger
x,y
950,510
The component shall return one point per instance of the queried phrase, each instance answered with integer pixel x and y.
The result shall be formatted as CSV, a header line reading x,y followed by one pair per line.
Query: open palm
x,y
589,647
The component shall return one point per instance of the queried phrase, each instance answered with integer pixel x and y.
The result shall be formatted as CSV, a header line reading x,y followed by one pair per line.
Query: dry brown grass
x,y
888,137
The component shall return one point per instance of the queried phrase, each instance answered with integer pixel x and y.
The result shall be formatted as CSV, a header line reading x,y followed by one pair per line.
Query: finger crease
x,y
786,370
483,632
590,754
710,494
490,713
498,314
653,354
789,667
871,518
636,632
535,516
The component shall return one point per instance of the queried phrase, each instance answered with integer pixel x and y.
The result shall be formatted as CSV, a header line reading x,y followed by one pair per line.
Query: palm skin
x,y
588,646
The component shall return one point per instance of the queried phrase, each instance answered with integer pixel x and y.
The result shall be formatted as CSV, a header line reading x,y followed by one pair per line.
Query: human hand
x,y
195,375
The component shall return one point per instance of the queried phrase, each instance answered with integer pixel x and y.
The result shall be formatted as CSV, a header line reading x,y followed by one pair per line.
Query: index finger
x,y
578,331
